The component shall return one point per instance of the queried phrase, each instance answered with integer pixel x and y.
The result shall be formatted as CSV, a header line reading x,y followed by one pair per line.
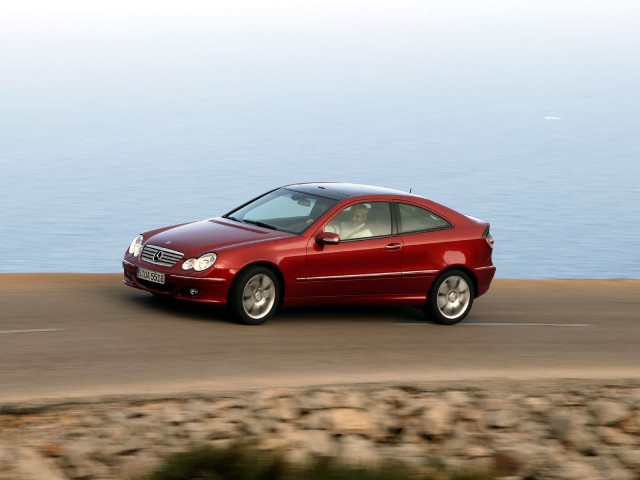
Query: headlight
x,y
200,264
136,246
204,262
188,264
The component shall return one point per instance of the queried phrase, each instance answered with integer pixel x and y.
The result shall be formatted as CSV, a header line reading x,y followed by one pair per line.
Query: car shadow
x,y
350,313
320,314
181,308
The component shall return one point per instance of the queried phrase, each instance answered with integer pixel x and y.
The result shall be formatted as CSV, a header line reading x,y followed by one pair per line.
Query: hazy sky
x,y
41,33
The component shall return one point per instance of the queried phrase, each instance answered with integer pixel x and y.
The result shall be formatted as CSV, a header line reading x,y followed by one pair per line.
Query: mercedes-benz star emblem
x,y
157,256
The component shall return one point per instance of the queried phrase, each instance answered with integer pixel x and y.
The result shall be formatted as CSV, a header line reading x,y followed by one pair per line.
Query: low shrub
x,y
243,463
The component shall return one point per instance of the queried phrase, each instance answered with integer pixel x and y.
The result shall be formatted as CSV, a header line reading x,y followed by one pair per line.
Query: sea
x,y
116,119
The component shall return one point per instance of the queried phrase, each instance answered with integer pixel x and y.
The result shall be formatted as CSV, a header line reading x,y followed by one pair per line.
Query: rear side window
x,y
417,219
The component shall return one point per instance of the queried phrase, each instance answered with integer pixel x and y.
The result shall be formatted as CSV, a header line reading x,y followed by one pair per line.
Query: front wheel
x,y
450,298
254,295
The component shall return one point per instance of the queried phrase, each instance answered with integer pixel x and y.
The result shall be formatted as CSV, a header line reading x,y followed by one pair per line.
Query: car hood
x,y
214,234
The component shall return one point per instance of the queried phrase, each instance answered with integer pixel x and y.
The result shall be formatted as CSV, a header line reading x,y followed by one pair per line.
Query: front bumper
x,y
185,287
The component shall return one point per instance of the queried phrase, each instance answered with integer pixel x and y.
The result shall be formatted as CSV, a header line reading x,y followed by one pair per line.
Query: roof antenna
x,y
410,189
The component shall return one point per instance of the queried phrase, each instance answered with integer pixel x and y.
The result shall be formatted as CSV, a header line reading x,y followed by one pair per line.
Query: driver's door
x,y
369,265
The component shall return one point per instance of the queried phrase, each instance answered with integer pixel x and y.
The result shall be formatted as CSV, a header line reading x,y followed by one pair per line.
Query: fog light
x,y
193,291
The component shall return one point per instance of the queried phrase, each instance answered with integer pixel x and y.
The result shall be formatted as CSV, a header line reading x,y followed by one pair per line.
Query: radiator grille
x,y
161,256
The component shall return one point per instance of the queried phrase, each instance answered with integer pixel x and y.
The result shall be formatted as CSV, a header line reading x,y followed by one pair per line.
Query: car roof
x,y
340,191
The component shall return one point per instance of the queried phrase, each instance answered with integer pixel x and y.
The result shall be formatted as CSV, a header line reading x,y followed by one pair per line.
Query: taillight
x,y
488,237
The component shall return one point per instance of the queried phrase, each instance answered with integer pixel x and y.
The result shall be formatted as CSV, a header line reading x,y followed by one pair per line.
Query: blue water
x,y
525,114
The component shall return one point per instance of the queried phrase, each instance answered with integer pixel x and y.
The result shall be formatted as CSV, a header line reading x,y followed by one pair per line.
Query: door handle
x,y
393,246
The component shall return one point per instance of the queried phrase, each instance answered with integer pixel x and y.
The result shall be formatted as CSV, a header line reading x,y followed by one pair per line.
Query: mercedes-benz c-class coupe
x,y
320,243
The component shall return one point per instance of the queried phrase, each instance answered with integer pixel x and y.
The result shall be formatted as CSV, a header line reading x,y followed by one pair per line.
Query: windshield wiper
x,y
261,224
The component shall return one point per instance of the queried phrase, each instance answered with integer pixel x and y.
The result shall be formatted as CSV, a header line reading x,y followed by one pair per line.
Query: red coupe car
x,y
321,243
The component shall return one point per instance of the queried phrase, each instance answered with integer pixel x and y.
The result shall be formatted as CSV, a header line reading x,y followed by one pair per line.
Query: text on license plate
x,y
154,277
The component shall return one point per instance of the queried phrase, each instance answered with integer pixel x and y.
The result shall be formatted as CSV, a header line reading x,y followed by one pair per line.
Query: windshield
x,y
283,209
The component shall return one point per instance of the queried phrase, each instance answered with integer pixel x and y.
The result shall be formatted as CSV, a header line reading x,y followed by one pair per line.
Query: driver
x,y
354,228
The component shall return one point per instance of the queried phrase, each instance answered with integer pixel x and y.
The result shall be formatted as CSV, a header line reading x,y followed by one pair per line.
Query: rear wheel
x,y
450,298
254,295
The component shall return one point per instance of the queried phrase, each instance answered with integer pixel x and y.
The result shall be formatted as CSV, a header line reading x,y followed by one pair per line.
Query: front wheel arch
x,y
232,304
276,271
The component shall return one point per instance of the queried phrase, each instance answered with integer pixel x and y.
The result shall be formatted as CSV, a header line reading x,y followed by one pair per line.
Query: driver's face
x,y
358,216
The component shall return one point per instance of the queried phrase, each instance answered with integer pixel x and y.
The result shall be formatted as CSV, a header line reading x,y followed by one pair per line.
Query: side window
x,y
417,219
362,220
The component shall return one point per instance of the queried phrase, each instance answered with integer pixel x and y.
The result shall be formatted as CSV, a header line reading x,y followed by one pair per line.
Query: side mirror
x,y
327,238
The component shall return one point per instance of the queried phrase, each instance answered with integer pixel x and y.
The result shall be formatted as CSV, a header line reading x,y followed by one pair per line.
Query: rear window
x,y
418,219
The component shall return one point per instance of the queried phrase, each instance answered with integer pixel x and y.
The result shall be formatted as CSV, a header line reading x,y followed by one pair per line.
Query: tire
x,y
450,298
254,296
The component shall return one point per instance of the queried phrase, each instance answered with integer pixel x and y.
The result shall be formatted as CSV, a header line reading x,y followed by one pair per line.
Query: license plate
x,y
154,277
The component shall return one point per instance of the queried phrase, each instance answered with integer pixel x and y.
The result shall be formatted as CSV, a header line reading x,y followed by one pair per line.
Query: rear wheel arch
x,y
470,274
451,296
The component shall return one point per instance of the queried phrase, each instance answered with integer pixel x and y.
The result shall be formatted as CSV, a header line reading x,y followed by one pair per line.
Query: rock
x,y
629,458
7,458
53,450
573,470
631,424
272,393
249,426
537,404
613,436
457,398
173,414
75,454
620,474
316,420
493,404
510,461
389,425
136,466
30,465
451,447
502,419
573,400
131,445
115,417
79,463
570,428
477,451
408,452
317,442
607,412
349,421
134,414
279,409
196,432
390,396
437,419
115,431
357,450
225,405
471,414
355,400
613,468
275,442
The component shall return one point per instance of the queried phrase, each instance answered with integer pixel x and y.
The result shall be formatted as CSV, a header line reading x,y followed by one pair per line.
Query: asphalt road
x,y
66,336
